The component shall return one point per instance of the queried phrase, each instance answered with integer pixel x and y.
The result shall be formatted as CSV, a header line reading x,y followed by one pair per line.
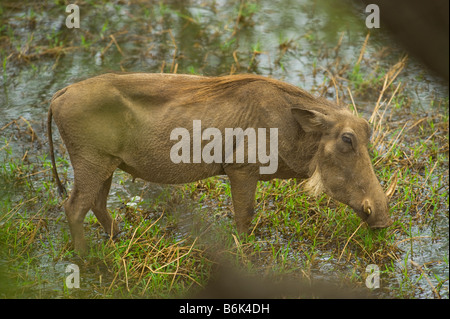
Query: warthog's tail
x,y
61,189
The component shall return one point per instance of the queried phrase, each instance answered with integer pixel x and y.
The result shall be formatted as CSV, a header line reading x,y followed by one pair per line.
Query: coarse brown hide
x,y
125,121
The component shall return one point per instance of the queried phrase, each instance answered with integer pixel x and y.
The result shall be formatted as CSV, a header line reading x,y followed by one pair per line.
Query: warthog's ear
x,y
312,121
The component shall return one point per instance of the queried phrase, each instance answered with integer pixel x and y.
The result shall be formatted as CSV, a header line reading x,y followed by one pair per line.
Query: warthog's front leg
x,y
100,211
243,186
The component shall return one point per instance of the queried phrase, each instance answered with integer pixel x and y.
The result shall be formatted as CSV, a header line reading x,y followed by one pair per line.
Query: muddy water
x,y
288,40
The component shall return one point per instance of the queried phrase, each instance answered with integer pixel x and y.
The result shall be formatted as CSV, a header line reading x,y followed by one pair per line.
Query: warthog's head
x,y
341,166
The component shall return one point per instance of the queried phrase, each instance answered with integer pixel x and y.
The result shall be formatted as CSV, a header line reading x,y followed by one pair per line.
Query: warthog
x,y
125,121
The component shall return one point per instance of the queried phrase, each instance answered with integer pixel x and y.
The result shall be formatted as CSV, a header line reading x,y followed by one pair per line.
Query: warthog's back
x,y
131,117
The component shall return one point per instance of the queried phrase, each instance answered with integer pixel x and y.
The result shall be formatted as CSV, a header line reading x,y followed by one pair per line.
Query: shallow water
x,y
204,37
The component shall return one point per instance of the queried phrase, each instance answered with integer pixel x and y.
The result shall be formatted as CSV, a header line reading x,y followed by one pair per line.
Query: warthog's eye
x,y
347,139
348,143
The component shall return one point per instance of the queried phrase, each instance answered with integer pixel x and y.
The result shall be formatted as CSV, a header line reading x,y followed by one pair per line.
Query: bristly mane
x,y
210,87
203,88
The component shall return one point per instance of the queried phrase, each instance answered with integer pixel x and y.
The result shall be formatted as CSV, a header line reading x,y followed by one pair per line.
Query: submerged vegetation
x,y
174,238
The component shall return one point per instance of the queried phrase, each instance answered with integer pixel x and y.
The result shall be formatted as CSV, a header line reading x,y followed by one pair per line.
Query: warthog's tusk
x,y
368,211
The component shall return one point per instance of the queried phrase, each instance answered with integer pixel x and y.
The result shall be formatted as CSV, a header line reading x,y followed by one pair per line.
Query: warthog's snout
x,y
375,214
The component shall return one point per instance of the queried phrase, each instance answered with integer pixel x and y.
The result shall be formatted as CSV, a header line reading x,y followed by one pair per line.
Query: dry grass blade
x,y
340,256
117,44
355,110
363,49
126,274
176,259
333,80
416,265
390,76
15,209
392,144
174,65
8,124
134,233
391,189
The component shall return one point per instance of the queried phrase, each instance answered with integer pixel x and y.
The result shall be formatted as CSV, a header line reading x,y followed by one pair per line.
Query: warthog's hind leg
x,y
76,209
91,186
